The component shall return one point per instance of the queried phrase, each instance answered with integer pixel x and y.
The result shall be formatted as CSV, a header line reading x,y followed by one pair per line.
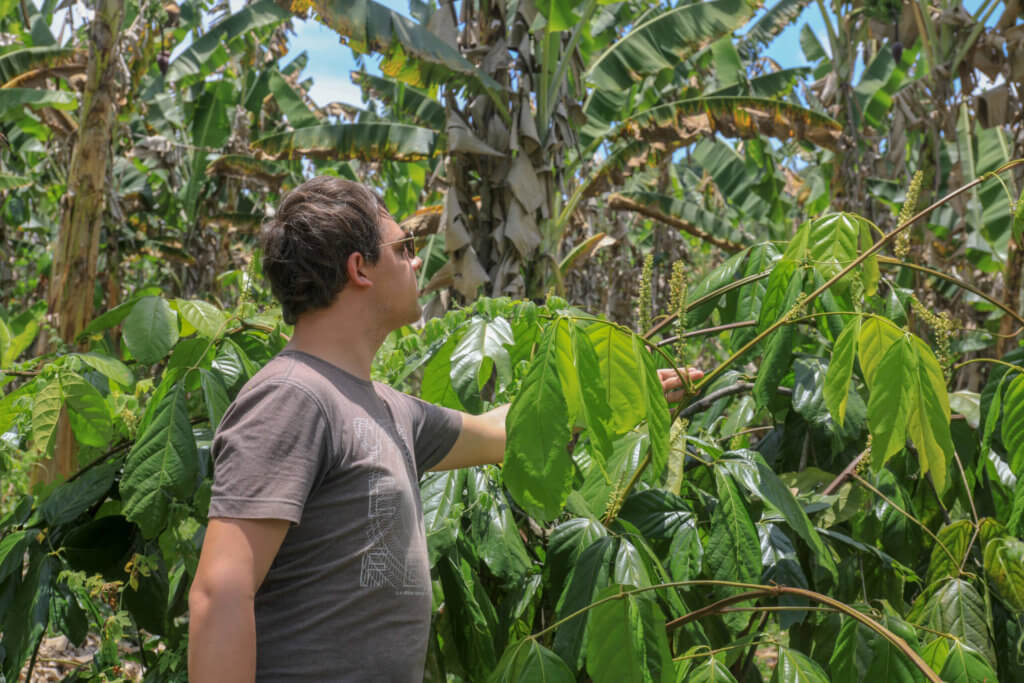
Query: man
x,y
314,566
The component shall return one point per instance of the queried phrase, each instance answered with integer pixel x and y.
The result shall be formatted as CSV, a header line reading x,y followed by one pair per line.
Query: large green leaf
x,y
709,670
733,548
12,552
928,417
1013,424
626,640
371,142
966,665
890,401
215,395
110,367
529,662
956,537
956,608
11,98
876,336
655,408
619,371
779,495
796,667
437,378
199,57
664,40
597,414
590,575
472,623
205,318
45,411
75,497
150,329
25,618
161,466
87,411
481,350
404,100
767,26
1004,568
840,370
115,315
414,54
538,471
290,102
13,182
17,62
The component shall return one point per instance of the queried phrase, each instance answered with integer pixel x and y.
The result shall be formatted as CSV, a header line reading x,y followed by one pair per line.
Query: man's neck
x,y
344,339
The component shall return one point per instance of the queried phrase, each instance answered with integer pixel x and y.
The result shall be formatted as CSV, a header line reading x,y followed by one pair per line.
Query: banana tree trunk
x,y
74,260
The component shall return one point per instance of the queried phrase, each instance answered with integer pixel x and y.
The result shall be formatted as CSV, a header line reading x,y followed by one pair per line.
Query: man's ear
x,y
356,267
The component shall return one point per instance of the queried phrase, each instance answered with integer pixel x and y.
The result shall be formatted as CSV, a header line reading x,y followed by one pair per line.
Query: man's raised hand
x,y
672,382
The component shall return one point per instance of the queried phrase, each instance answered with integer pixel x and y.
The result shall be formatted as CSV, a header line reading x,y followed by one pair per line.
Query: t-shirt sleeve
x,y
271,448
435,429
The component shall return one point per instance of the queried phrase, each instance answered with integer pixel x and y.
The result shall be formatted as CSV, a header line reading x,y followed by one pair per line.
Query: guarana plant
x,y
819,495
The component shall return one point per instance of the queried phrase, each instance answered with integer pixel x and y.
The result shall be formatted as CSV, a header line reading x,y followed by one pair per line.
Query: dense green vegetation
x,y
609,189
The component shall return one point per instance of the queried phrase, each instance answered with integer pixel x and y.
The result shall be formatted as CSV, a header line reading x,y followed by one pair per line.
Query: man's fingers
x,y
672,383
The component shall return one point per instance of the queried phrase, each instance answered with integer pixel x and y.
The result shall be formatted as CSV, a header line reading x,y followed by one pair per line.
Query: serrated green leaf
x,y
109,367
1004,568
626,640
840,370
527,661
161,466
150,330
538,470
88,413
205,318
568,373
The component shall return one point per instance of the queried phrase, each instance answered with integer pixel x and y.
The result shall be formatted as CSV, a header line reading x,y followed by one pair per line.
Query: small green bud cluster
x,y
862,465
902,246
644,300
798,307
943,327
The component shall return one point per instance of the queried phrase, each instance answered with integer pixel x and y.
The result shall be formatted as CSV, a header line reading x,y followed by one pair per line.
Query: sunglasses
x,y
410,245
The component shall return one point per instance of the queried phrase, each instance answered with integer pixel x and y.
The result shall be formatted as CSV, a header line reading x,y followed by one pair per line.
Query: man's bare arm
x,y
236,555
481,441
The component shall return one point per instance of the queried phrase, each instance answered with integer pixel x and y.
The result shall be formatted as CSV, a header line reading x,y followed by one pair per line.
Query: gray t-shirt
x,y
348,596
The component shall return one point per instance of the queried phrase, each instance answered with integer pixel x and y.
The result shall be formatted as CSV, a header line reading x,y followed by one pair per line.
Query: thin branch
x,y
706,402
847,471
